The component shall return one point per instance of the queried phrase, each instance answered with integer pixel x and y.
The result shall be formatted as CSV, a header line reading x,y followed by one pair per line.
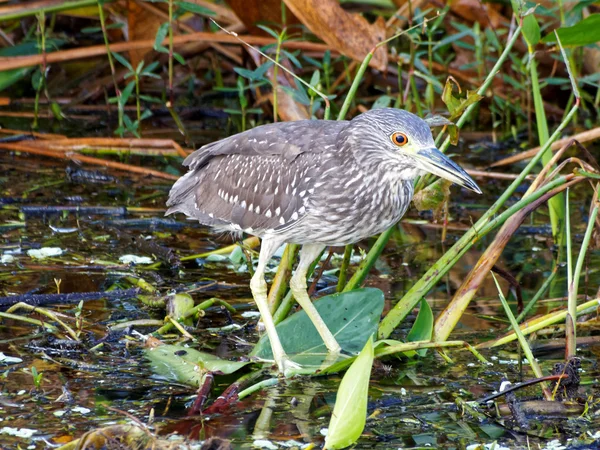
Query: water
x,y
413,403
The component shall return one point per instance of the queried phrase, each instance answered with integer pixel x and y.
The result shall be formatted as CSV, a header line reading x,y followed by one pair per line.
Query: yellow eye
x,y
400,139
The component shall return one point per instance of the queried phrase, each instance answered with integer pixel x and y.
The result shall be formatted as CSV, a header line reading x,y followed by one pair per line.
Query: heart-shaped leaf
x,y
351,316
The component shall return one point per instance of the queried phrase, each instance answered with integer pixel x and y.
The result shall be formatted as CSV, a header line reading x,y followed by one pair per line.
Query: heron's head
x,y
397,137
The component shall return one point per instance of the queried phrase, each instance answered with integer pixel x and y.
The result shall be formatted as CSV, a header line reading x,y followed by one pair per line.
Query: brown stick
x,y
47,136
87,159
97,50
585,136
80,143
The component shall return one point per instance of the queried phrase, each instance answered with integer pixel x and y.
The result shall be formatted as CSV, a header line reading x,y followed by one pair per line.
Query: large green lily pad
x,y
351,316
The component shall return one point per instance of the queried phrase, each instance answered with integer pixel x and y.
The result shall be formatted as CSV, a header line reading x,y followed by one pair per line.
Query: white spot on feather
x,y
268,213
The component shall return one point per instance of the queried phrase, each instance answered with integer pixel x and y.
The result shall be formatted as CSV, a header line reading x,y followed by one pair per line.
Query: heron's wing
x,y
285,139
257,180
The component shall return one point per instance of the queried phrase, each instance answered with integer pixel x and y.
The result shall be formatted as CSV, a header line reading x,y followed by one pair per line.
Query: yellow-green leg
x,y
308,254
258,286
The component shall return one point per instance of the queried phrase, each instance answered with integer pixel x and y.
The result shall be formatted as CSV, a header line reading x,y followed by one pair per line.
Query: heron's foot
x,y
333,348
287,367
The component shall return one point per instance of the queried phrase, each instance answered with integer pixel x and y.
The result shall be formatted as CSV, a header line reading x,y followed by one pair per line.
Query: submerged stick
x,y
64,299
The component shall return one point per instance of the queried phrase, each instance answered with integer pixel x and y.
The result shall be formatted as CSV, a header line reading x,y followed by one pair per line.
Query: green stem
x,y
574,276
556,204
344,269
138,108
258,387
538,294
367,263
522,341
171,98
276,73
354,86
120,106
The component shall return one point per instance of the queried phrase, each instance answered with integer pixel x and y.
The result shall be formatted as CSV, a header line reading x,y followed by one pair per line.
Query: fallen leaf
x,y
141,24
252,12
349,33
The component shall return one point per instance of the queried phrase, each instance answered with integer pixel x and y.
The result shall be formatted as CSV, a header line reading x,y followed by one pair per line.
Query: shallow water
x,y
413,403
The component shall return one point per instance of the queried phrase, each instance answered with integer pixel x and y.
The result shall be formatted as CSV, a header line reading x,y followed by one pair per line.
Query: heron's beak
x,y
435,162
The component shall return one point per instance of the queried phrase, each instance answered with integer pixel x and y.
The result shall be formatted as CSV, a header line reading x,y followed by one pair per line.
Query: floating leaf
x,y
350,411
582,33
187,365
351,316
422,329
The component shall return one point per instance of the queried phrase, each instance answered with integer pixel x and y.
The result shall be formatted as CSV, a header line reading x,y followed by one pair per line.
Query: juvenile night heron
x,y
312,182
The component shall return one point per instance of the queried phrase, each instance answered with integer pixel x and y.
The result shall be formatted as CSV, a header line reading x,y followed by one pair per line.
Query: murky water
x,y
413,403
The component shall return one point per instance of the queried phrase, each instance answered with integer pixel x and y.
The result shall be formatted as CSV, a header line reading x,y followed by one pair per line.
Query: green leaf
x,y
255,74
122,60
351,316
126,93
56,111
150,68
582,33
140,67
196,9
269,31
112,26
179,58
186,365
149,98
350,411
422,329
37,80
161,34
531,30
382,102
299,94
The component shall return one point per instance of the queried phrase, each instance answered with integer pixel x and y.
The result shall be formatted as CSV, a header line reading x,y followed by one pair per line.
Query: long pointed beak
x,y
435,162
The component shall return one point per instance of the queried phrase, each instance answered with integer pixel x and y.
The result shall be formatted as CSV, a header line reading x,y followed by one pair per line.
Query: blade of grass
x,y
574,276
539,323
522,341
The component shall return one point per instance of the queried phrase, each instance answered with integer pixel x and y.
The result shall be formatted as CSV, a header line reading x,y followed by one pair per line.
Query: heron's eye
x,y
400,139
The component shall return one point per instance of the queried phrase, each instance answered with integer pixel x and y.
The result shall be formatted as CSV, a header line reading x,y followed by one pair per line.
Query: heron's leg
x,y
298,286
258,286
